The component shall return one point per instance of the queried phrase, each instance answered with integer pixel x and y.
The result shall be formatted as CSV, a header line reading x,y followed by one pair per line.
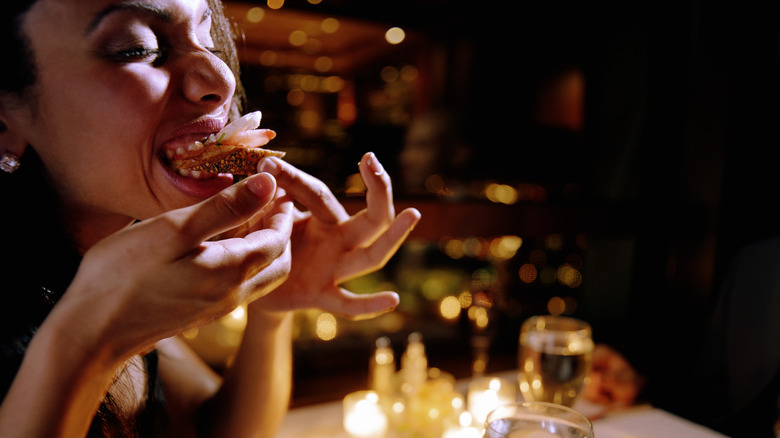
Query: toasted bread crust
x,y
227,159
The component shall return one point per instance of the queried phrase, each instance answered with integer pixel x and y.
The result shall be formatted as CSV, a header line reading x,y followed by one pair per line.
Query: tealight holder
x,y
363,415
486,394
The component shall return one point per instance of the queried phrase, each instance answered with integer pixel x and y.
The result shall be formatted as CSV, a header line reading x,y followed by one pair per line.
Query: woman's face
x,y
119,83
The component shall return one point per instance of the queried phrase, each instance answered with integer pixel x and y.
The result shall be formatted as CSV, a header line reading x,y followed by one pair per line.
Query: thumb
x,y
225,210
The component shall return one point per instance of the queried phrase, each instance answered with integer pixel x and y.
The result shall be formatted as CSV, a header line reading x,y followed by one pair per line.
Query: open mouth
x,y
235,149
174,157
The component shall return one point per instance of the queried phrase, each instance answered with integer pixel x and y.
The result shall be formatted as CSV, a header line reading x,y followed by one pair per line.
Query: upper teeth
x,y
181,152
193,173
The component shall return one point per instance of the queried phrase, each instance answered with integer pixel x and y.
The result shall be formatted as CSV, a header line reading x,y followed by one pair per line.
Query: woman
x,y
113,253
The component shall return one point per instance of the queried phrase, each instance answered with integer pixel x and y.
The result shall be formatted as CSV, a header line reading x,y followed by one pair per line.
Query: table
x,y
324,421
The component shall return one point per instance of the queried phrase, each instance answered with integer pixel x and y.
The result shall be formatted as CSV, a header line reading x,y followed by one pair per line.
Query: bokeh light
x,y
450,307
395,35
327,326
255,15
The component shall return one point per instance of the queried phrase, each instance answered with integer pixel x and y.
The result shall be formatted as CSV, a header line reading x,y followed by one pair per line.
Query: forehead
x,y
88,13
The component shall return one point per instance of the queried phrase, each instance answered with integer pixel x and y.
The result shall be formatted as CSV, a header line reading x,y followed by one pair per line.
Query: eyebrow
x,y
144,8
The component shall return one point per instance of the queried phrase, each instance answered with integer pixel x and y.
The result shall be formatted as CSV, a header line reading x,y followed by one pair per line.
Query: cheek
x,y
102,108
128,102
107,128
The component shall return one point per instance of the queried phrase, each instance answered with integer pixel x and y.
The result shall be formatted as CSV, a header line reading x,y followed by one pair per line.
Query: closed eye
x,y
140,54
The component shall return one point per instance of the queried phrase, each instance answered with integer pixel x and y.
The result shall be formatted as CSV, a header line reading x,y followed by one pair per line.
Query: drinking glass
x,y
554,358
537,420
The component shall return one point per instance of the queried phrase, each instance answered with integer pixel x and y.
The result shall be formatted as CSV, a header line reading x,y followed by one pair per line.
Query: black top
x,y
38,264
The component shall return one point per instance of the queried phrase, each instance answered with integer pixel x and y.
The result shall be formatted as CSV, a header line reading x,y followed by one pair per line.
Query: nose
x,y
208,80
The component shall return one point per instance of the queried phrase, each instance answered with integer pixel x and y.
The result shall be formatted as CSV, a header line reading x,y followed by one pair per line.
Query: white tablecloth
x,y
325,421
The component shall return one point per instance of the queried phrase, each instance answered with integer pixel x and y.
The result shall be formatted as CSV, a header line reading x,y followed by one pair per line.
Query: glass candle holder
x,y
363,416
487,393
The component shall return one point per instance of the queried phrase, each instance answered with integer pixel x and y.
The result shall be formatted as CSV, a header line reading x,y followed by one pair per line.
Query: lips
x,y
187,142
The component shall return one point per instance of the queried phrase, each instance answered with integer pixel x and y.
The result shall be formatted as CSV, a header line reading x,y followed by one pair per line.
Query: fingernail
x,y
375,165
268,165
259,185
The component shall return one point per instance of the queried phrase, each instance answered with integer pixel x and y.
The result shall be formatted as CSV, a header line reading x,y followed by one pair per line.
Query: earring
x,y
9,162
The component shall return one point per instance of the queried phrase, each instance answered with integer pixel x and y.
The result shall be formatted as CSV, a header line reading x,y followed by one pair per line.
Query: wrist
x,y
62,379
258,315
76,338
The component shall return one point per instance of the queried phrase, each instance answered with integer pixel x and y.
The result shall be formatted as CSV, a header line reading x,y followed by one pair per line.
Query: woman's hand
x,y
330,247
162,275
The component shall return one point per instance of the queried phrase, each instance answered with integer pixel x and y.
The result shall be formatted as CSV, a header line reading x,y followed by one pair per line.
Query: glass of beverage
x,y
554,358
537,420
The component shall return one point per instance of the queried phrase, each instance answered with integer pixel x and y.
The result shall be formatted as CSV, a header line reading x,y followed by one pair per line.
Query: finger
x,y
358,307
223,211
260,248
267,279
379,196
371,258
309,191
258,261
369,223
280,217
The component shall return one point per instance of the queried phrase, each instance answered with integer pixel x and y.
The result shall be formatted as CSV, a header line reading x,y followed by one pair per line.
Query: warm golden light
x,y
479,315
255,15
501,193
453,248
275,4
465,299
235,320
395,35
327,327
434,287
556,306
355,185
268,58
389,74
330,25
323,64
569,276
450,307
409,73
309,119
457,402
528,273
347,112
297,38
332,84
554,242
472,246
295,97
505,247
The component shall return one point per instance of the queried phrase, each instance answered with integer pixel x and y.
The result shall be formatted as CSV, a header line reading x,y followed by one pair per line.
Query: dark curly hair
x,y
18,74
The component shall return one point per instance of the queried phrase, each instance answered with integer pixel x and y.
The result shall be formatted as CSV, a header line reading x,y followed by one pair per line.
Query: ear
x,y
11,138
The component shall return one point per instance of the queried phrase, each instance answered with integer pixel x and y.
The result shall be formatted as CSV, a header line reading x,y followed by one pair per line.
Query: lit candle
x,y
488,393
363,417
464,429
462,432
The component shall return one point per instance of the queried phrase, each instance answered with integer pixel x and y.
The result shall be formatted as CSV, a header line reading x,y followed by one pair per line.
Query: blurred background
x,y
602,160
